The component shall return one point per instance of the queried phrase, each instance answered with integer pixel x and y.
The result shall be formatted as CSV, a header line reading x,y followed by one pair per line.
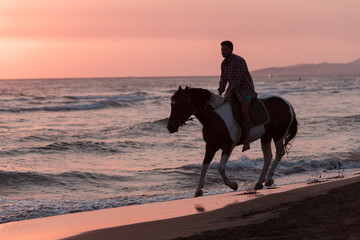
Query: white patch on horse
x,y
225,112
215,100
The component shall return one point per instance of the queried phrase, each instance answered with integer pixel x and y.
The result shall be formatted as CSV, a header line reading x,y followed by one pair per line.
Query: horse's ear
x,y
187,88
180,88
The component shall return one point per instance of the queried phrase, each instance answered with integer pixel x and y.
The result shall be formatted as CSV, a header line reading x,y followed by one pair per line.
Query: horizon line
x,y
83,78
174,76
67,78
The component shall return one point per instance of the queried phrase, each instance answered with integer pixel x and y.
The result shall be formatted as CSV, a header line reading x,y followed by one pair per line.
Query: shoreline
x,y
135,222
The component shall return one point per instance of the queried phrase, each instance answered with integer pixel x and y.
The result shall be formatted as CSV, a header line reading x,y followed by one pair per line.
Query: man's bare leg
x,y
245,104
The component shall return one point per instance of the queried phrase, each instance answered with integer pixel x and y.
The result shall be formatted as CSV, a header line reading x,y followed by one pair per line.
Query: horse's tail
x,y
290,134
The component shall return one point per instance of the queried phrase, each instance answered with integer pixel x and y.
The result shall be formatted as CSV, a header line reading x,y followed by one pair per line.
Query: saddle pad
x,y
258,113
225,112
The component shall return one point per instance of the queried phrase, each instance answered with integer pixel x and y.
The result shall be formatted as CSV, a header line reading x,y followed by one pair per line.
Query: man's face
x,y
225,51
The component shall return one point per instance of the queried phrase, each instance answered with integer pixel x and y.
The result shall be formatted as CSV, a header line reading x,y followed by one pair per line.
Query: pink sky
x,y
111,38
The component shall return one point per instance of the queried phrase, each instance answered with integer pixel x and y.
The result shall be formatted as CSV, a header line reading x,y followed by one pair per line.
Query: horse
x,y
221,132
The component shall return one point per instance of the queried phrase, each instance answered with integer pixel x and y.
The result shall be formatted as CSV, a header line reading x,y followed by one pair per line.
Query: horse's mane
x,y
201,97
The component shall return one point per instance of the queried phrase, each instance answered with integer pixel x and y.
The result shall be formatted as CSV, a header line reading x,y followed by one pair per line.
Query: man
x,y
234,70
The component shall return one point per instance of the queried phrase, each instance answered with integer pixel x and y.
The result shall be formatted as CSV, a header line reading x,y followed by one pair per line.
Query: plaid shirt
x,y
237,74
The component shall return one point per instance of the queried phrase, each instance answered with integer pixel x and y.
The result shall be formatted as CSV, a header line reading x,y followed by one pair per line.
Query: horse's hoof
x,y
199,193
234,186
269,182
258,186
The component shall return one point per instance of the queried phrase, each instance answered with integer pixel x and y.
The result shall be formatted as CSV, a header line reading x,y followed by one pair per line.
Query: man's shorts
x,y
248,98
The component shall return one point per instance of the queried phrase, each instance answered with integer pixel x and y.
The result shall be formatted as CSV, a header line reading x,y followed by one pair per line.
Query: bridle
x,y
206,111
183,122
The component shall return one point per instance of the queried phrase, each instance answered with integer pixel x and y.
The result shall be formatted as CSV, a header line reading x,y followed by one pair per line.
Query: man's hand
x,y
229,93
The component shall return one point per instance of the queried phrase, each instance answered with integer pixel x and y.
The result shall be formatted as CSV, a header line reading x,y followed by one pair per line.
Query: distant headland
x,y
351,68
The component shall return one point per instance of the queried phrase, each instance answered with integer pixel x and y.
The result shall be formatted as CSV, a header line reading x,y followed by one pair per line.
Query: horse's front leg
x,y
209,155
224,158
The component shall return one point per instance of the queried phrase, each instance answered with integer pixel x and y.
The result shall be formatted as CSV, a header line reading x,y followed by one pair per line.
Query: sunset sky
x,y
118,38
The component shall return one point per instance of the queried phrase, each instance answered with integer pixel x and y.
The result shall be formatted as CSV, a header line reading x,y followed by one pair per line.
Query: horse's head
x,y
180,109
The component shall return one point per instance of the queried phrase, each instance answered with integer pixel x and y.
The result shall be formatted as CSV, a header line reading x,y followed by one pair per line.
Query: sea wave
x,y
243,166
91,106
94,147
130,97
146,128
84,146
77,103
62,147
348,123
21,179
285,167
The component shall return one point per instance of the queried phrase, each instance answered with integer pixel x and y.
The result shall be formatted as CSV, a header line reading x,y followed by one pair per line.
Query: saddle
x,y
257,111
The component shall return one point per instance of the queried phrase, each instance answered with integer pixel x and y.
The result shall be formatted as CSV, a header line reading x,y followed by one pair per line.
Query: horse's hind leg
x,y
209,155
224,158
266,148
280,152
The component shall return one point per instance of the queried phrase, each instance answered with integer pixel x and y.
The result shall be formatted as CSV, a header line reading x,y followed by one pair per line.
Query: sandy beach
x,y
334,215
319,211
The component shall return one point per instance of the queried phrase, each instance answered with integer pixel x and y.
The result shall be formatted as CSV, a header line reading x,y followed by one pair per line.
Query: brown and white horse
x,y
221,132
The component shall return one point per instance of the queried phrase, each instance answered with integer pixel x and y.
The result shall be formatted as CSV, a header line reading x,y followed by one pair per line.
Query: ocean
x,y
72,145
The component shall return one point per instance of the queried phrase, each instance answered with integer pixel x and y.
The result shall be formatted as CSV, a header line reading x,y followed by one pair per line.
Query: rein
x,y
206,111
190,119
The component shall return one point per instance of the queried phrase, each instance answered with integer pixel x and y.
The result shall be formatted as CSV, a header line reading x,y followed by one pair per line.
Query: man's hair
x,y
228,43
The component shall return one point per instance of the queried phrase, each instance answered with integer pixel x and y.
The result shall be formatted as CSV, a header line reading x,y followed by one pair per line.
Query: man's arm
x,y
222,83
229,92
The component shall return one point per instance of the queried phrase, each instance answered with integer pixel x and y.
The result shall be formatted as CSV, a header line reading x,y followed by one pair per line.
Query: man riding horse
x,y
220,130
241,87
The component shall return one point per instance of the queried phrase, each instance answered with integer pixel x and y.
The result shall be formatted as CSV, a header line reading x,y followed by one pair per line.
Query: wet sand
x,y
334,215
328,210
